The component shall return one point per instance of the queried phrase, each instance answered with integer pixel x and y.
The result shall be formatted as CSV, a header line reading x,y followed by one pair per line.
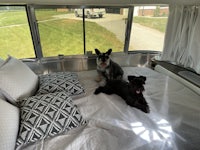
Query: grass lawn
x,y
66,37
158,23
61,36
15,38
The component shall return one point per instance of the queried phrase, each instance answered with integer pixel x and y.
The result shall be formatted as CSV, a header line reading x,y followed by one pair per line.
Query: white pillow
x,y
17,80
9,125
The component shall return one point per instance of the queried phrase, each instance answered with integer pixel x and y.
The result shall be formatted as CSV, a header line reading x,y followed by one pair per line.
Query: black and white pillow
x,y
60,81
47,115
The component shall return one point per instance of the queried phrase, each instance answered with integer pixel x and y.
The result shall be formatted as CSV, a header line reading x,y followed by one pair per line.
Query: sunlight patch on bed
x,y
159,131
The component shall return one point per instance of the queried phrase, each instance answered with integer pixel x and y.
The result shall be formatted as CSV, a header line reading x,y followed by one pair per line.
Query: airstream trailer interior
x,y
48,70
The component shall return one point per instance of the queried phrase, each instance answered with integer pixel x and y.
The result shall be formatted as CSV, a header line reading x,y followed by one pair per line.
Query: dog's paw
x,y
98,78
146,109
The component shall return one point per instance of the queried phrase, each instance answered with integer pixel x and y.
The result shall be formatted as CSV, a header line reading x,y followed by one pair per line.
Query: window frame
x,y
34,30
28,21
36,35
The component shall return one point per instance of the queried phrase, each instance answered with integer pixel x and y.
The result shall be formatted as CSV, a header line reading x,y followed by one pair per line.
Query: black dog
x,y
130,91
107,68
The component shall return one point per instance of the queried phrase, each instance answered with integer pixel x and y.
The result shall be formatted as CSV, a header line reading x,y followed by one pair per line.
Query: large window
x,y
77,31
60,32
148,28
15,37
106,29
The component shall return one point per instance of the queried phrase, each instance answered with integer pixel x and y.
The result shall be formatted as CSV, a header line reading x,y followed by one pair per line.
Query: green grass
x,y
15,38
15,45
101,38
12,18
48,14
69,39
62,36
157,23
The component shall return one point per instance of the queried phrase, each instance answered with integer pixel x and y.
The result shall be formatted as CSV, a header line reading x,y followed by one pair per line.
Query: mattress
x,y
173,122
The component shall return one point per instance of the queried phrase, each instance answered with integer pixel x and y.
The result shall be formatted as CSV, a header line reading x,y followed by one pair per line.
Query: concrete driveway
x,y
142,38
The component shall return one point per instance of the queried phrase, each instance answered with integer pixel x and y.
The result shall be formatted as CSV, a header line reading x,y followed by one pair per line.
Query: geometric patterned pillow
x,y
60,81
47,115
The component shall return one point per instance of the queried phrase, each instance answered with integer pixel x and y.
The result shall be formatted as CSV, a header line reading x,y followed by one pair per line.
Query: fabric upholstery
x,y
60,81
9,125
17,80
47,115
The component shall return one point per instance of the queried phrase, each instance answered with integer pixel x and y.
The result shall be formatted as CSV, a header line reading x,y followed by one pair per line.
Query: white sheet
x,y
173,121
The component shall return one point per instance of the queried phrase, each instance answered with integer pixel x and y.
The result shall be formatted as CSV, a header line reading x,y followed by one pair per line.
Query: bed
x,y
106,122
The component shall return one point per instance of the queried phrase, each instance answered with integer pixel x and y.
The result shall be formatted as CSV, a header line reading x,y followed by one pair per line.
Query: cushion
x,y
60,81
17,80
9,125
47,115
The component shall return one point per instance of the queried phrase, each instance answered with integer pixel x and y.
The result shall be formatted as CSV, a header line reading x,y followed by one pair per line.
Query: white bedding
x,y
173,121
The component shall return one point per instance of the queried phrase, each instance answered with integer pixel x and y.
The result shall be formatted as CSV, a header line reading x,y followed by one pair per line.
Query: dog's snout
x,y
103,59
142,89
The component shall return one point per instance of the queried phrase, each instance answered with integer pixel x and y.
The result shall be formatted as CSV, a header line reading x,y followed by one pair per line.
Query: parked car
x,y
90,12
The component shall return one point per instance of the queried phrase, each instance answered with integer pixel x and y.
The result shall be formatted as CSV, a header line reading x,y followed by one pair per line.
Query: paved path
x,y
145,38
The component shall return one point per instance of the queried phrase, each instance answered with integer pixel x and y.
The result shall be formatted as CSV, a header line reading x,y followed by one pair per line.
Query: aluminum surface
x,y
83,63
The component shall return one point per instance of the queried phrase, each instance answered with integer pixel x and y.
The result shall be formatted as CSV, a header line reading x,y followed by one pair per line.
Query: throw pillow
x,y
46,116
9,125
17,80
60,81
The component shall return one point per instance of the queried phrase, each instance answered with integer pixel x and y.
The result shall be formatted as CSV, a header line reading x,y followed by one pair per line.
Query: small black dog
x,y
107,68
130,91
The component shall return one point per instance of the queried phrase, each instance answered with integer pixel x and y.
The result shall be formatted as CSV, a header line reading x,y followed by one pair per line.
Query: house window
x,y
148,28
15,36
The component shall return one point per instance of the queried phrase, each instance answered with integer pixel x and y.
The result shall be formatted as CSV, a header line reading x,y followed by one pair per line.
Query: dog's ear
x,y
131,78
109,51
143,78
97,51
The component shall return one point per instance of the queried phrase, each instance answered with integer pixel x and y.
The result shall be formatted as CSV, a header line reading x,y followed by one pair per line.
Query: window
x,y
148,28
61,33
62,30
15,37
65,31
105,28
